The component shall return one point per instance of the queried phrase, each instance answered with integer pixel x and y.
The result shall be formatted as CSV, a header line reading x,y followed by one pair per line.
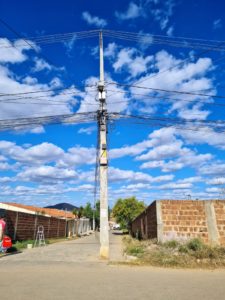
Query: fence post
x,y
49,222
65,227
58,229
73,232
15,227
35,225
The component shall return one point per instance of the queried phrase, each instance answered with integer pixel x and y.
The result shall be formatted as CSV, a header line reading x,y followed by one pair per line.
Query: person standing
x,y
2,230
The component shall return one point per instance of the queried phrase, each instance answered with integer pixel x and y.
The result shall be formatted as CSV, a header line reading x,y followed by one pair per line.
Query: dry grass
x,y
192,254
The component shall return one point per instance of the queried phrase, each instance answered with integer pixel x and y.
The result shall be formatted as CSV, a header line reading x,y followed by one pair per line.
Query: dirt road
x,y
71,270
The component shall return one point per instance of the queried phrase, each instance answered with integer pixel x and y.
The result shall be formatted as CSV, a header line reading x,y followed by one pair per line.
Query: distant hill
x,y
63,206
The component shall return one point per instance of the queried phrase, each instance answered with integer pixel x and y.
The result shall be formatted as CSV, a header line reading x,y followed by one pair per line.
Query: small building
x,y
182,220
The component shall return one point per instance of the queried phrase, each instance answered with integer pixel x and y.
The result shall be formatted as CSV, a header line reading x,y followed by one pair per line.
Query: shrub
x,y
183,249
171,244
135,250
195,244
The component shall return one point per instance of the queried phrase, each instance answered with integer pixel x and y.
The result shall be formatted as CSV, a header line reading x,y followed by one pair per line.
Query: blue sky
x,y
42,165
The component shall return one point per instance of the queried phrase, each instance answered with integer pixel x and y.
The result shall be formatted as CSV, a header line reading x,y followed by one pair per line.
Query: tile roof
x,y
48,211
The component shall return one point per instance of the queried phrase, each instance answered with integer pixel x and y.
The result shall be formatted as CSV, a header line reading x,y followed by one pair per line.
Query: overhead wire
x,y
153,39
6,124
167,91
161,97
25,41
47,90
30,45
190,125
54,38
178,64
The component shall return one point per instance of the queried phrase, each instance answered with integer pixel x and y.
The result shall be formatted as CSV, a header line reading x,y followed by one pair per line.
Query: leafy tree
x,y
125,210
75,211
88,211
97,214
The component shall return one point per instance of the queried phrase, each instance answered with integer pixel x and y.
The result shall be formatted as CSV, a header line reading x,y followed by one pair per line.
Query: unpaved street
x,y
71,270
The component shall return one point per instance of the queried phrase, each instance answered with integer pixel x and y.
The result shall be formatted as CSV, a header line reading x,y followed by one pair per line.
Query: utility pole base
x,y
104,252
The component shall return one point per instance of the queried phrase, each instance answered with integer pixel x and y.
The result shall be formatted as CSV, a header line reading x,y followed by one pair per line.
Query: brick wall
x,y
145,225
182,220
23,226
219,207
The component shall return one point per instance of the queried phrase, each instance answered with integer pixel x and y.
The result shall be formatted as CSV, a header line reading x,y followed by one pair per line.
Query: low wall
x,y
182,220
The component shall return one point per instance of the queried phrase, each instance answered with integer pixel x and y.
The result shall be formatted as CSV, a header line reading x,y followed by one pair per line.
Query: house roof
x,y
45,211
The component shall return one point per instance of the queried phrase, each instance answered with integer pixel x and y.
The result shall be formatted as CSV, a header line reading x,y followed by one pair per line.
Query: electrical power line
x,y
167,91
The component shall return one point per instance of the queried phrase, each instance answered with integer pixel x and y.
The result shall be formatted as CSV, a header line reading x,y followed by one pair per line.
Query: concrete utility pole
x,y
103,160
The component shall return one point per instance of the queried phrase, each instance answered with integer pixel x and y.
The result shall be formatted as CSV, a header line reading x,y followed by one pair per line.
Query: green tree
x,y
125,210
97,214
88,211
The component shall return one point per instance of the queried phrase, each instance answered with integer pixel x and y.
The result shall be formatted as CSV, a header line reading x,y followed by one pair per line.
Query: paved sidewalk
x,y
84,249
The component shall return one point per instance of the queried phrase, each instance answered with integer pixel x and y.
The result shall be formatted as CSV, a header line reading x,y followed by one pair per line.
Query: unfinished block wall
x,y
219,207
145,225
183,220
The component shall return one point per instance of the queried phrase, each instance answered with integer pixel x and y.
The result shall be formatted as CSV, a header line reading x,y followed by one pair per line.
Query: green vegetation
x,y
192,254
125,210
88,212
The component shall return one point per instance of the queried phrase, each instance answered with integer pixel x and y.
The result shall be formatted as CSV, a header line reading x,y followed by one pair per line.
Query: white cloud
x,y
129,59
46,153
33,107
133,11
40,65
46,174
69,44
217,24
13,52
87,130
110,50
163,152
161,11
136,187
77,156
81,188
4,166
215,169
42,153
210,137
174,76
216,181
170,31
213,190
172,186
161,157
193,179
117,175
93,20
156,138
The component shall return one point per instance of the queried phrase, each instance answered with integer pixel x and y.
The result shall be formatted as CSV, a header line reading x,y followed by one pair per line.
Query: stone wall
x,y
183,220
